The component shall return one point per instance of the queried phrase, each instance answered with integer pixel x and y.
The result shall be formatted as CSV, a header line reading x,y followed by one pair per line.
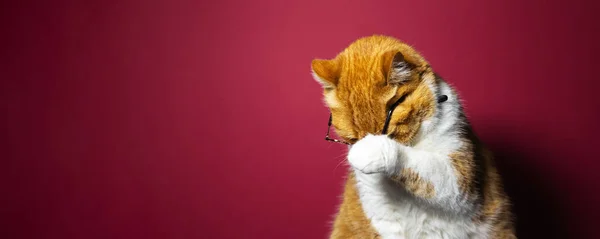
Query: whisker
x,y
340,163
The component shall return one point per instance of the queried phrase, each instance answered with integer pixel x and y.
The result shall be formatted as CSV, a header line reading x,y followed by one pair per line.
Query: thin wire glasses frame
x,y
387,119
385,125
332,139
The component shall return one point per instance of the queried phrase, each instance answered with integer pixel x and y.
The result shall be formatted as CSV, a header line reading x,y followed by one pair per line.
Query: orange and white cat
x,y
424,173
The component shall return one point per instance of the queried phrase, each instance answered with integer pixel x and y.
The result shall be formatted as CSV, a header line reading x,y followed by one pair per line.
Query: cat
x,y
424,173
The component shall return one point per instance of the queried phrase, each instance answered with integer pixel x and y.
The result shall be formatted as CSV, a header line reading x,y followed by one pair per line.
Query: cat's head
x,y
363,82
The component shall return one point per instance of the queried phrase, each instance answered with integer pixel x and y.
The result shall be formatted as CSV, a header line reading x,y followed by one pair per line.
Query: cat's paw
x,y
374,154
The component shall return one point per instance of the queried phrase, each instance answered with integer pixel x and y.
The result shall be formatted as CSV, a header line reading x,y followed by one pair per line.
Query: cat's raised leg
x,y
432,176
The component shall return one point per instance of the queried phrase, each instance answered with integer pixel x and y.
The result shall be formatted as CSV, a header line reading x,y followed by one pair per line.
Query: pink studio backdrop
x,y
189,119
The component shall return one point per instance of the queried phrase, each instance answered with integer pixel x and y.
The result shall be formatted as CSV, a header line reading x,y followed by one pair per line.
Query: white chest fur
x,y
396,214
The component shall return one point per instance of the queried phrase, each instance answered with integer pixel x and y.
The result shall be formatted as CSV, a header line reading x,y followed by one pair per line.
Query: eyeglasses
x,y
441,99
330,139
385,125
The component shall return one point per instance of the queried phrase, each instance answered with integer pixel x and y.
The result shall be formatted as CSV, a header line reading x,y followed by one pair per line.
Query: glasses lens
x,y
331,135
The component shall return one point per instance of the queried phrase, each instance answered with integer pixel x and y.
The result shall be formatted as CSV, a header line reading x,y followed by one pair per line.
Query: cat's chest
x,y
395,215
410,221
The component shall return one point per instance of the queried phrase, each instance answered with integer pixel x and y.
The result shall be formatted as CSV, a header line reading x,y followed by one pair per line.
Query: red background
x,y
182,119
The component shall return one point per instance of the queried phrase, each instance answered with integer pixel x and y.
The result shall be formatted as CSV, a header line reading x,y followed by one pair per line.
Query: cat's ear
x,y
395,68
326,72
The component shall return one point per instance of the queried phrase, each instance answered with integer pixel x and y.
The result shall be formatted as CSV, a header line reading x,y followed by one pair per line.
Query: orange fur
x,y
359,73
350,221
413,182
358,92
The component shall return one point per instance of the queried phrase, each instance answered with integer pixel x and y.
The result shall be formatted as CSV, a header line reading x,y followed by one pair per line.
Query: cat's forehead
x,y
362,66
362,71
362,77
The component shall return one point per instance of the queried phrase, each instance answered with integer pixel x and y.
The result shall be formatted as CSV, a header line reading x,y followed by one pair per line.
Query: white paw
x,y
375,154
